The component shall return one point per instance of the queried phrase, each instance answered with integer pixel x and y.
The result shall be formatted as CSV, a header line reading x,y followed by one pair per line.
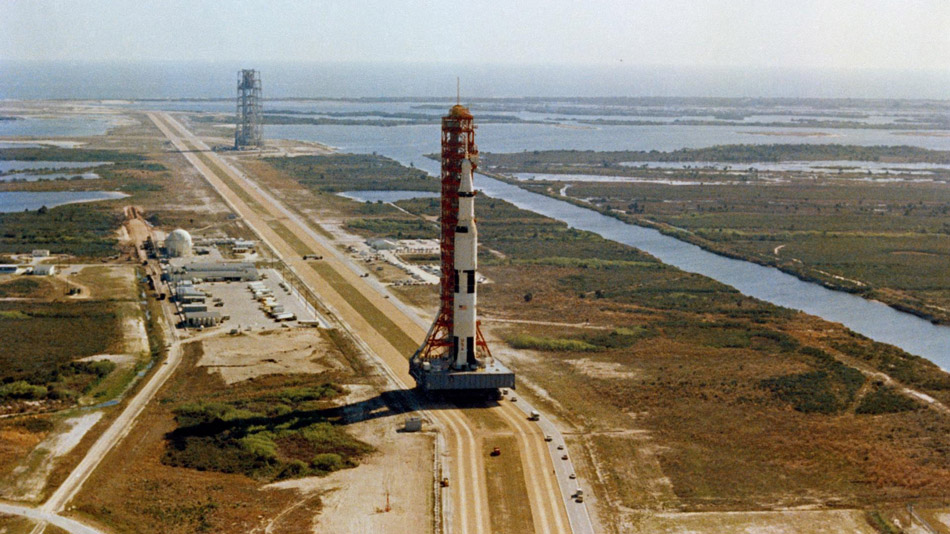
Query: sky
x,y
796,34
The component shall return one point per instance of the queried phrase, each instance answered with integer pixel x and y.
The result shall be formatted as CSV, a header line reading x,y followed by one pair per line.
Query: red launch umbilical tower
x,y
454,356
458,145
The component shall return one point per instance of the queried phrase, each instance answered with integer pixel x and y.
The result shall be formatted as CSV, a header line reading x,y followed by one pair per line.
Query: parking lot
x,y
243,312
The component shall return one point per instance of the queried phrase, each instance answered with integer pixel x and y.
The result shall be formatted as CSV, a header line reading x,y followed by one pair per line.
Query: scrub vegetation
x,y
869,234
204,450
41,343
688,395
736,403
352,172
284,433
531,161
73,229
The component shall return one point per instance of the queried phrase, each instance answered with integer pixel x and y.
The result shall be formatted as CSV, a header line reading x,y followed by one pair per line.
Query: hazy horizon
x,y
65,79
722,48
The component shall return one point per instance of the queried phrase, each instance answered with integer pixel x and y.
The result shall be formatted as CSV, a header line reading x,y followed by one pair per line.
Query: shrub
x,y
260,445
806,392
22,389
886,400
327,462
524,341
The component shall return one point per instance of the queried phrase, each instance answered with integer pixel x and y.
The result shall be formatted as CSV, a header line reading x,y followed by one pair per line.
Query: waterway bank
x,y
935,315
873,319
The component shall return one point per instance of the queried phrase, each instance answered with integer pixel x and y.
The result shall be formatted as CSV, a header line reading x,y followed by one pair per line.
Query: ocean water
x,y
16,165
165,80
11,201
67,126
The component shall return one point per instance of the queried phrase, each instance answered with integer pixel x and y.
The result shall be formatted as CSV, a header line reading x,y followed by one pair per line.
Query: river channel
x,y
872,319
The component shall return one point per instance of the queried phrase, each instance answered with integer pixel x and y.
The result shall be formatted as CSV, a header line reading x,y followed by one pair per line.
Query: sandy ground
x,y
247,355
354,500
785,522
134,336
595,369
28,479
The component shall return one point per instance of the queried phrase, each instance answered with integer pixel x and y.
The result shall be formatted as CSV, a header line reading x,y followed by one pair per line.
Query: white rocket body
x,y
466,264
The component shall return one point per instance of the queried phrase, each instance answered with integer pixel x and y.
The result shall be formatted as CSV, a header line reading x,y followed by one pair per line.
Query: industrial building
x,y
215,272
44,270
11,269
241,246
203,318
186,293
178,244
455,356
382,244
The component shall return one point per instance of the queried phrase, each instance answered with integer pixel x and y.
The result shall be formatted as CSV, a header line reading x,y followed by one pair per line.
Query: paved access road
x,y
468,493
43,518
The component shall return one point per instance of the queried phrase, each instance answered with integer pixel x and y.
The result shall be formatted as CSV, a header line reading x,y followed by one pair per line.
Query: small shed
x,y
44,270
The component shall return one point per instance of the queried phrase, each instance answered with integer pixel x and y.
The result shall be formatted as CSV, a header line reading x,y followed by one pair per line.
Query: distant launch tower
x,y
455,355
249,128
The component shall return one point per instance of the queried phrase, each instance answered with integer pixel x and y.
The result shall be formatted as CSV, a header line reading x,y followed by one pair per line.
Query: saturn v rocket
x,y
455,355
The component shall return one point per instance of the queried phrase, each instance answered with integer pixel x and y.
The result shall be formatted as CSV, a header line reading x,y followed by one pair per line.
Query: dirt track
x,y
468,494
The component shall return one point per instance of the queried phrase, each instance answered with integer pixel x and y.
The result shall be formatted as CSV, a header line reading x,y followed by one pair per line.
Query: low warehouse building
x,y
216,272
44,270
189,294
205,318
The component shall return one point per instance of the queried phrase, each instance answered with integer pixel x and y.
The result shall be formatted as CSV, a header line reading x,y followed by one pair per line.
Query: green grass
x,y
20,287
830,388
350,172
881,524
394,228
380,321
525,341
66,381
70,154
720,153
619,338
39,336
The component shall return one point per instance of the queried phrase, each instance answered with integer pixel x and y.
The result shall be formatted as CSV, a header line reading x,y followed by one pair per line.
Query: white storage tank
x,y
178,243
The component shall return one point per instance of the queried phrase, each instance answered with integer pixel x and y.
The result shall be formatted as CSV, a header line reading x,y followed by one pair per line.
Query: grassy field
x,y
737,403
865,234
73,229
722,154
884,241
688,395
46,333
204,450
347,172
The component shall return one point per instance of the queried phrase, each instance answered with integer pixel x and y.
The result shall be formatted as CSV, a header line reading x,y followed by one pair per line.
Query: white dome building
x,y
178,243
